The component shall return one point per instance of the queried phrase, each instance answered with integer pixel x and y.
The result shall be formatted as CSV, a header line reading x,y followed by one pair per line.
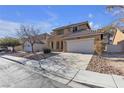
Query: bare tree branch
x,y
28,33
118,12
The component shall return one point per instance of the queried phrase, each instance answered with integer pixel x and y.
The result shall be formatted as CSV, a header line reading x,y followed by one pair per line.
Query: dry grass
x,y
99,47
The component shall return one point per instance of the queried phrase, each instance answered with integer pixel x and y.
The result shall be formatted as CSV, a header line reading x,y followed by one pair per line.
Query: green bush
x,y
9,42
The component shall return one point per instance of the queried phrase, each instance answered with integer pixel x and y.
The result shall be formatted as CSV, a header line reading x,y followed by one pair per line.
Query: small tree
x,y
9,42
28,33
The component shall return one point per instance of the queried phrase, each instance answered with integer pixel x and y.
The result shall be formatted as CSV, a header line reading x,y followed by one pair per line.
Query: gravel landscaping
x,y
106,66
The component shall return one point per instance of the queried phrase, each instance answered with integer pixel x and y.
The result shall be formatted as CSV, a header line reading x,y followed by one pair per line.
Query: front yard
x,y
34,56
75,67
67,60
108,64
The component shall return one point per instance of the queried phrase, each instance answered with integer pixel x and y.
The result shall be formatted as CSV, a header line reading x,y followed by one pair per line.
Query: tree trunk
x,y
23,46
32,46
13,49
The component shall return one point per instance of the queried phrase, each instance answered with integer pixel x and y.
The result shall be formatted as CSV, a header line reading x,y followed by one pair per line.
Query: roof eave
x,y
65,38
63,27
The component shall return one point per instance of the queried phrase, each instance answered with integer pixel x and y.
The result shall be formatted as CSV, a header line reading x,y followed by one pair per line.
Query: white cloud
x,y
53,16
8,28
48,24
44,26
94,26
90,15
118,12
97,26
91,24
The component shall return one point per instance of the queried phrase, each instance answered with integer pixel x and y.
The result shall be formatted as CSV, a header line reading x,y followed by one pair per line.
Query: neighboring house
x,y
121,28
39,44
74,38
116,41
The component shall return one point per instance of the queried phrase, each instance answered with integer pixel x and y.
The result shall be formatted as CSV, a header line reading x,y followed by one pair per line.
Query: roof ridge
x,y
71,25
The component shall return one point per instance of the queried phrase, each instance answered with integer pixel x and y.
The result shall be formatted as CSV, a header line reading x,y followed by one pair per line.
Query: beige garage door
x,y
81,45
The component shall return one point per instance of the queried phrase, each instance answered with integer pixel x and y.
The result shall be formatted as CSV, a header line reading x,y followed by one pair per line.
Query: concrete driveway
x,y
16,75
68,60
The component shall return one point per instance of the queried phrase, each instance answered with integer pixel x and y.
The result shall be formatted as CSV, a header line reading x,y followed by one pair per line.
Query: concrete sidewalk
x,y
73,77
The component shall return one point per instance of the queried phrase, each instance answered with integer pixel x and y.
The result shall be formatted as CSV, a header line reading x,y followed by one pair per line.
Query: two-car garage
x,y
80,45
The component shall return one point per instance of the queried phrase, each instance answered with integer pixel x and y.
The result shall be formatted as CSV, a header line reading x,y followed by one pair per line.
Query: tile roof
x,y
83,33
62,27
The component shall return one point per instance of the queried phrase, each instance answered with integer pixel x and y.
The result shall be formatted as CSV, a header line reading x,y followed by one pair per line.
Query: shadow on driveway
x,y
41,56
34,56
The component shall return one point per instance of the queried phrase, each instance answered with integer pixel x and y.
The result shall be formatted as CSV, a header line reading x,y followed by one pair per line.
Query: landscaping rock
x,y
102,65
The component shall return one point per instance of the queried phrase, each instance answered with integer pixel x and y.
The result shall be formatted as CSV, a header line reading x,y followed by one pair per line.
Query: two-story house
x,y
74,38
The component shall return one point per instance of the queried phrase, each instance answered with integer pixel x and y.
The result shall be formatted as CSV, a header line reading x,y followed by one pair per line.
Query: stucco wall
x,y
115,48
58,38
55,40
37,47
119,37
118,43
27,47
19,48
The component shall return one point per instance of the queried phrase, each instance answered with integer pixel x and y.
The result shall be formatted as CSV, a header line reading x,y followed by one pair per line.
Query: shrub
x,y
99,47
9,42
46,50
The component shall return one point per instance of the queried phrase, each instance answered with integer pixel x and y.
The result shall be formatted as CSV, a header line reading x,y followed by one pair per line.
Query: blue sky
x,y
48,17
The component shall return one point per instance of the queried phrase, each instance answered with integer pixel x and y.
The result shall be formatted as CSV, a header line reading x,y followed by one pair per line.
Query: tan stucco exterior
x,y
64,49
55,40
36,46
119,37
58,36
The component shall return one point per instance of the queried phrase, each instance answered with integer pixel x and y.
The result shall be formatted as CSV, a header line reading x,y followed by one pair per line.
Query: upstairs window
x,y
60,32
101,36
75,29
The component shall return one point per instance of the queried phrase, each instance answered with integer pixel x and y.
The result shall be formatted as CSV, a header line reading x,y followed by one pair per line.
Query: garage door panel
x,y
80,45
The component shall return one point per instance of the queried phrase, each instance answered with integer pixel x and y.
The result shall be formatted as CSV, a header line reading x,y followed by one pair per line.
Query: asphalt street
x,y
16,75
